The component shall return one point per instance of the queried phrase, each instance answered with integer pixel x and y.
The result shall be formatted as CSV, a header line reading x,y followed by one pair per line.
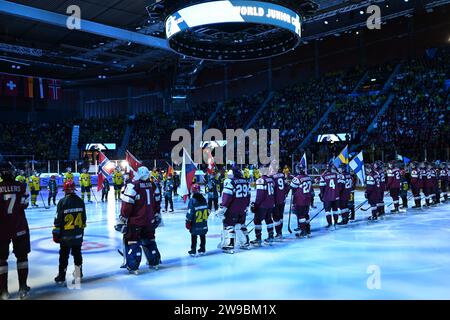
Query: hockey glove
x,y
221,212
366,195
253,207
56,235
188,224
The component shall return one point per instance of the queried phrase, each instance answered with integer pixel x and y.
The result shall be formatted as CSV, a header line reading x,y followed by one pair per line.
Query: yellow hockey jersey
x,y
85,180
117,178
35,183
246,173
68,176
21,178
256,174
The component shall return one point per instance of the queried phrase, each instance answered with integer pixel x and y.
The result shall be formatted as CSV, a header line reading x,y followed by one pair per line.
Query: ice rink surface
x,y
408,253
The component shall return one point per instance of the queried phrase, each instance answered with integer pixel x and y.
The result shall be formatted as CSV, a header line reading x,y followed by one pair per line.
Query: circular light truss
x,y
233,30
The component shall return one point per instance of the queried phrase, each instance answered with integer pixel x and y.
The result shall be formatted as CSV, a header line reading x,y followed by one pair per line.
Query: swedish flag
x,y
342,158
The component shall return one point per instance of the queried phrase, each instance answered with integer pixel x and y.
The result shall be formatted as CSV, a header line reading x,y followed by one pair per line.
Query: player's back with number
x,y
138,203
70,219
328,186
13,202
280,188
301,186
265,192
236,195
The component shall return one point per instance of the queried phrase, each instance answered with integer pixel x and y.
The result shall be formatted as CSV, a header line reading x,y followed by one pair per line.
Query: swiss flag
x,y
10,86
54,89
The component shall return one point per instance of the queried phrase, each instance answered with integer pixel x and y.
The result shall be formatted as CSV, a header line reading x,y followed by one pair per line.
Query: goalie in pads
x,y
139,217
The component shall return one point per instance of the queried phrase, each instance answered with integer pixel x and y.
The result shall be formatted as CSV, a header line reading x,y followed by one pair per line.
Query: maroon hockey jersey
x,y
301,189
236,195
280,187
393,179
328,187
13,202
140,202
265,193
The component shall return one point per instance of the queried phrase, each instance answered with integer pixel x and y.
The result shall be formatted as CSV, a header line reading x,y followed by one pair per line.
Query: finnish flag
x,y
357,165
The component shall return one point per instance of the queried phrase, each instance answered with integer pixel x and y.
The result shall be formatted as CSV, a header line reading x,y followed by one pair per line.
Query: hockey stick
x,y
43,202
93,193
309,221
290,212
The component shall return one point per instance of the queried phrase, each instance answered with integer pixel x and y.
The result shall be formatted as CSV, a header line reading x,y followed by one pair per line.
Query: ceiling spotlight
x,y
129,43
357,32
18,67
361,12
13,66
326,22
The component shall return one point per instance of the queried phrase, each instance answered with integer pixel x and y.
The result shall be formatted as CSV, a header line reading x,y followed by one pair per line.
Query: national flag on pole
x,y
303,162
54,89
105,168
342,158
29,87
10,86
41,88
211,163
188,169
404,159
133,163
357,165
170,170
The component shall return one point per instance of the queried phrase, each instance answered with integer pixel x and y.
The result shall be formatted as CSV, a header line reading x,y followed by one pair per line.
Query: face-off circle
x,y
233,30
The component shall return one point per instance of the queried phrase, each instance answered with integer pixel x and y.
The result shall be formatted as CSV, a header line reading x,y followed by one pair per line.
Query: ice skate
x,y
24,292
256,243
269,240
301,234
201,252
4,295
228,249
278,238
192,253
60,278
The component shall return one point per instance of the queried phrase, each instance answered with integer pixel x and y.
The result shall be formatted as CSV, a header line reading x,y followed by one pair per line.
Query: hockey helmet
x,y
230,174
69,186
142,174
53,177
236,171
69,169
84,170
195,188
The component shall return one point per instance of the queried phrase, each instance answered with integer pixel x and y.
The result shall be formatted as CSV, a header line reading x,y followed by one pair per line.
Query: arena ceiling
x,y
32,47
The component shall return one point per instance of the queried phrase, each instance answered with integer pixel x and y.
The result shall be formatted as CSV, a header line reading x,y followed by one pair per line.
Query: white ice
x,y
408,253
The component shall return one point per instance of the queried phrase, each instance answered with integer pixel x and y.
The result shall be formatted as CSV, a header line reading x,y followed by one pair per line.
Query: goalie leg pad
x,y
151,252
133,254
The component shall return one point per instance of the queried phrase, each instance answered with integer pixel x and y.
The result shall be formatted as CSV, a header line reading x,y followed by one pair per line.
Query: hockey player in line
x,y
372,191
68,175
197,220
235,201
393,184
329,194
416,184
138,220
13,228
52,190
301,191
264,206
379,168
118,181
345,185
281,189
444,179
430,185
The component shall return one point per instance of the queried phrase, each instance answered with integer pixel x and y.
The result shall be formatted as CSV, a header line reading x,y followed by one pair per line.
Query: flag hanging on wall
x,y
54,89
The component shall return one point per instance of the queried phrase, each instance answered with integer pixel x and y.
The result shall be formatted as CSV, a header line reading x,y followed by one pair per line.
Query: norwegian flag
x,y
105,169
54,89
133,163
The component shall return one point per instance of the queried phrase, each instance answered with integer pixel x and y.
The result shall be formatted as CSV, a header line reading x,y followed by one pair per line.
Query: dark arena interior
x,y
165,104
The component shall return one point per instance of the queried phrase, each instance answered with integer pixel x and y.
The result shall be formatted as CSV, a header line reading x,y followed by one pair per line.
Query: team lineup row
x,y
141,206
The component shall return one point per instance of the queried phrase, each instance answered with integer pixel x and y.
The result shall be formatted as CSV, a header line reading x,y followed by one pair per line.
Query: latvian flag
x,y
105,169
